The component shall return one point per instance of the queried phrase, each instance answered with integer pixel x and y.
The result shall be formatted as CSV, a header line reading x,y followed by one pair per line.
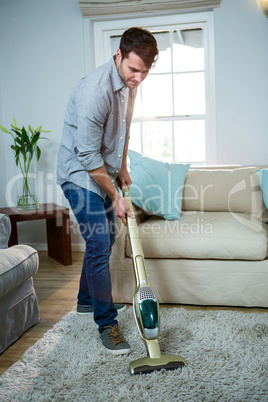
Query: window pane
x,y
188,50
137,107
163,64
157,96
174,88
114,44
189,94
135,137
157,140
189,141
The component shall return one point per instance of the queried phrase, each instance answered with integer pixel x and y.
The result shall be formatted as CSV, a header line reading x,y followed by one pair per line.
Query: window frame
x,y
100,30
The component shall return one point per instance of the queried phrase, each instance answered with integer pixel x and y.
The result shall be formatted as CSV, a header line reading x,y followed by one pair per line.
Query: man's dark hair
x,y
142,42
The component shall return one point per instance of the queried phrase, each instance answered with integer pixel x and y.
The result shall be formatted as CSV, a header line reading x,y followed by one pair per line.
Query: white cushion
x,y
204,235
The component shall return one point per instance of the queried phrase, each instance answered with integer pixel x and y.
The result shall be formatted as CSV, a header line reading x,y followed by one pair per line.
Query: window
x,y
174,113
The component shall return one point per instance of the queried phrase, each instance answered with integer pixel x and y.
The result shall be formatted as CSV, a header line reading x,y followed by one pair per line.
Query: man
x,y
92,159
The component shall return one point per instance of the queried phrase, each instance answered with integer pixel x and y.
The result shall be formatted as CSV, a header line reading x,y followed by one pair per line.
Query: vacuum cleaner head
x,y
148,365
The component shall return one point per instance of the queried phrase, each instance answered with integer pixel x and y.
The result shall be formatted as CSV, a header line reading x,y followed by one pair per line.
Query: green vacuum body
x,y
146,310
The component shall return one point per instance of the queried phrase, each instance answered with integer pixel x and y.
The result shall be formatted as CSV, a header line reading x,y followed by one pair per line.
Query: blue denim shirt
x,y
96,126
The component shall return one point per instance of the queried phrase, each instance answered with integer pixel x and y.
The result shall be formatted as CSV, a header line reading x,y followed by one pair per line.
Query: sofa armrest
x,y
5,230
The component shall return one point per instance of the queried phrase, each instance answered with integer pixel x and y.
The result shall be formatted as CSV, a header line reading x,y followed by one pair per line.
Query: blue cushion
x,y
157,186
263,180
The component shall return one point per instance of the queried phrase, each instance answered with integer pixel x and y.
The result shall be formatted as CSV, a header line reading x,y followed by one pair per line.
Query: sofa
x,y
215,254
18,302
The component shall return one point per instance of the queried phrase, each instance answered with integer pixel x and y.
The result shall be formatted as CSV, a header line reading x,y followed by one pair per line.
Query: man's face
x,y
132,69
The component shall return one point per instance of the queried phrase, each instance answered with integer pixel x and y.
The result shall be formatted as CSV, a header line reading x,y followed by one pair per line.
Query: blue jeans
x,y
95,217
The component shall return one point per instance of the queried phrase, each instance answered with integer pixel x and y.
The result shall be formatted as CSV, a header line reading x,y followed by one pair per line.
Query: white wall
x,y
241,64
42,56
41,53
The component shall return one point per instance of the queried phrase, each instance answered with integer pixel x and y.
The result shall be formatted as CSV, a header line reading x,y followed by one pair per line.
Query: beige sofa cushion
x,y
204,235
223,190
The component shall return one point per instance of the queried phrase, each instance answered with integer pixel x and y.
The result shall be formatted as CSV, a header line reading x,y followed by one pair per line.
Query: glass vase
x,y
27,197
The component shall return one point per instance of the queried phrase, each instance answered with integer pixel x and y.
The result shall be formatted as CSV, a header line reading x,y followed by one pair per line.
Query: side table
x,y
57,227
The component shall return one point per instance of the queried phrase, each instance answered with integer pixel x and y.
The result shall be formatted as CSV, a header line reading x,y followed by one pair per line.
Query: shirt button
x,y
124,120
119,156
117,171
121,138
122,101
113,181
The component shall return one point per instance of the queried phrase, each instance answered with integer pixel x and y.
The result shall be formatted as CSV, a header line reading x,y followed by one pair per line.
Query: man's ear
x,y
118,55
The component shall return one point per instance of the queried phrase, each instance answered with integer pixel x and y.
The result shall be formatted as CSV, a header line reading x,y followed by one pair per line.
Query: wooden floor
x,y
56,287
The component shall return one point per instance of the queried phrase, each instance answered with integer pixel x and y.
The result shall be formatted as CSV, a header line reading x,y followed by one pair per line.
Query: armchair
x,y
18,302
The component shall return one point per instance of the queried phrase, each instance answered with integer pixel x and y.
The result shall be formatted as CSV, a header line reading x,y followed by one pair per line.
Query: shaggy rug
x,y
226,352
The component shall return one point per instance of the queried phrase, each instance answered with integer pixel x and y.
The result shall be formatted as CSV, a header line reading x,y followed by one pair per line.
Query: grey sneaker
x,y
113,341
83,310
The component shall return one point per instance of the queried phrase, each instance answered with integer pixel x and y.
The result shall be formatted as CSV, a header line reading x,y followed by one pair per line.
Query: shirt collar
x,y
117,83
124,91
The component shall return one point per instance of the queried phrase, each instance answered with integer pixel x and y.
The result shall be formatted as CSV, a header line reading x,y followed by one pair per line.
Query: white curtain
x,y
120,7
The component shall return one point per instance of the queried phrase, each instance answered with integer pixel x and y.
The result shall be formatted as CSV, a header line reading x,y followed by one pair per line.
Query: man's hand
x,y
121,208
124,179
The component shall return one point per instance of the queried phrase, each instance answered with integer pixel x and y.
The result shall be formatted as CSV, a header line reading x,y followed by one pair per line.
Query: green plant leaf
x,y
38,129
35,138
46,131
30,149
17,132
17,156
25,135
38,152
15,125
18,142
5,130
31,129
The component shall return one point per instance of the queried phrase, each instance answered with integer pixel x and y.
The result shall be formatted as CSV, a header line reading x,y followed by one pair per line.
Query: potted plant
x,y
26,151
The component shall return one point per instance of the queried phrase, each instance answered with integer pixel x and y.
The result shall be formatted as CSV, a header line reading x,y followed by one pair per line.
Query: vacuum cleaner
x,y
146,309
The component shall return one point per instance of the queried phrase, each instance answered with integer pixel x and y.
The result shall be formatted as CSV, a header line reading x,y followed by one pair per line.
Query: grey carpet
x,y
226,352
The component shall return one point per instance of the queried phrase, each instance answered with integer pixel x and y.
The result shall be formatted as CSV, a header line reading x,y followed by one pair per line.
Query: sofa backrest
x,y
225,189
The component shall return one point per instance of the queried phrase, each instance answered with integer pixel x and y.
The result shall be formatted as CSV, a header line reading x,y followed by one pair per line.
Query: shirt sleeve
x,y
93,107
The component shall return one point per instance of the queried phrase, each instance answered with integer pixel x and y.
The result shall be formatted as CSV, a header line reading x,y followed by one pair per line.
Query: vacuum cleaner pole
x,y
136,248
146,309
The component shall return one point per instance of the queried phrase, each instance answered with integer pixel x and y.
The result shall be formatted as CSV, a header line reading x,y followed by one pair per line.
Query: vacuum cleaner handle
x,y
135,244
131,223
